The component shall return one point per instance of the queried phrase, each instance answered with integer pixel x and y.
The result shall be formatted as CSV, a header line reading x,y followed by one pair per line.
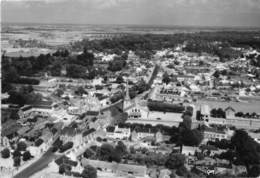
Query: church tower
x,y
127,101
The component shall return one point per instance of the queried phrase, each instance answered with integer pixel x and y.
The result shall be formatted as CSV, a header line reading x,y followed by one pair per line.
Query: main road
x,y
37,165
41,163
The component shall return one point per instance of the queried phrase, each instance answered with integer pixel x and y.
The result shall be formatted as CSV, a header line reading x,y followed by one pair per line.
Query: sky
x,y
225,13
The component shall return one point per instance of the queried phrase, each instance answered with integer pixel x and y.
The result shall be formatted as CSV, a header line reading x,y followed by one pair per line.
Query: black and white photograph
x,y
130,89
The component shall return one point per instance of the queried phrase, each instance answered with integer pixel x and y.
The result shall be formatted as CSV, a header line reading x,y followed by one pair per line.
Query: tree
x,y
27,155
216,74
66,146
182,171
191,137
58,92
108,153
121,148
16,98
55,68
89,172
254,171
63,168
24,95
88,153
165,107
175,161
105,151
186,121
199,155
247,150
229,155
85,59
120,79
5,153
10,73
17,161
166,78
21,146
80,91
117,64
115,157
76,71
14,115
16,153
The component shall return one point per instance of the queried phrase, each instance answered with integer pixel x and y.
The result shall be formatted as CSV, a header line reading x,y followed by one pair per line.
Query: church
x,y
141,114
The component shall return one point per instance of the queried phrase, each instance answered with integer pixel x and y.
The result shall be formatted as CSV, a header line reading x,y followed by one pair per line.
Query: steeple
x,y
127,96
127,100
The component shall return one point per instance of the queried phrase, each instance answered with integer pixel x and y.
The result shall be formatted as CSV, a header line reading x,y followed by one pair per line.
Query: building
x,y
4,142
31,111
189,150
137,135
46,85
118,133
213,135
230,120
230,112
128,103
122,170
205,112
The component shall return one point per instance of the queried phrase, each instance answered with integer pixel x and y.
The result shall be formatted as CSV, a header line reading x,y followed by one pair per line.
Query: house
x,y
159,137
165,173
188,78
38,150
230,112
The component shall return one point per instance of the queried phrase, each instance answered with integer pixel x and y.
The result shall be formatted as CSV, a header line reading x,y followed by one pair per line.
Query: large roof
x,y
141,170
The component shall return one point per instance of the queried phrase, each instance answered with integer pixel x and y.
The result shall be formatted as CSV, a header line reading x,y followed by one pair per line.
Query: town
x,y
131,105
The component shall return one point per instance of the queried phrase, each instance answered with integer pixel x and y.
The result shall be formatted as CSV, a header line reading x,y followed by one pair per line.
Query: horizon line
x,y
147,25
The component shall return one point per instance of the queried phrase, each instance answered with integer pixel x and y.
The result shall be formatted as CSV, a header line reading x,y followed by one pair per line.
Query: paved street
x,y
37,166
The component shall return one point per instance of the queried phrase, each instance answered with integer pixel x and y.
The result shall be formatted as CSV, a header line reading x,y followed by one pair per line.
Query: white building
x,y
119,133
30,112
213,135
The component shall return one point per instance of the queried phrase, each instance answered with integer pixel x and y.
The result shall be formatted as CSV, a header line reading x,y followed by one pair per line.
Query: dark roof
x,y
60,160
70,131
70,162
110,129
43,106
185,76
214,130
25,108
87,132
74,174
38,142
92,113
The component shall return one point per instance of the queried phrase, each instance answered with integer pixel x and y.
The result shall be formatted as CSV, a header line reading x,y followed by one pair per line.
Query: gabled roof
x,y
230,108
